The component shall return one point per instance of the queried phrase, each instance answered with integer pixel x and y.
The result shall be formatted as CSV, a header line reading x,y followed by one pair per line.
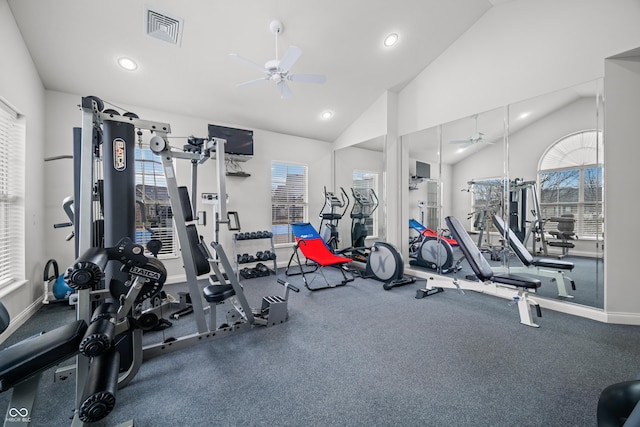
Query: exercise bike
x,y
429,249
331,213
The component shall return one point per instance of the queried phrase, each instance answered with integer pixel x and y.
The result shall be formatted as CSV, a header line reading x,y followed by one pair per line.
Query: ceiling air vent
x,y
161,26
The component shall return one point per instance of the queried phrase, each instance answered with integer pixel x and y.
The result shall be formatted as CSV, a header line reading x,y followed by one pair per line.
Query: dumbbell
x,y
262,270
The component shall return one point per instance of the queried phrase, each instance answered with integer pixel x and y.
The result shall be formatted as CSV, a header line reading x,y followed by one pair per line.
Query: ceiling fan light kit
x,y
277,70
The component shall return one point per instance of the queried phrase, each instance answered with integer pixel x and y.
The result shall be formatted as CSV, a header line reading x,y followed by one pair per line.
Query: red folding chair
x,y
317,256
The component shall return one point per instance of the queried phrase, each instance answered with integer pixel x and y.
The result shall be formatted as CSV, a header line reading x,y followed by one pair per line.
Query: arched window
x,y
571,181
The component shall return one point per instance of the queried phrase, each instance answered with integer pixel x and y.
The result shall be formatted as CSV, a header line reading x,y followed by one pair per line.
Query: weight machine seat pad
x,y
199,258
185,203
23,360
556,264
218,293
516,280
561,244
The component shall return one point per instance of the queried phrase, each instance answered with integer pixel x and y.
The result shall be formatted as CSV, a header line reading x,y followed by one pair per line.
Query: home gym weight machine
x,y
224,285
23,363
107,138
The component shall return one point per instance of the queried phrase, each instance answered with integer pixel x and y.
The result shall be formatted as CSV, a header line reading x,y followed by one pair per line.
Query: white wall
x,y
371,124
518,50
20,86
622,151
251,196
522,49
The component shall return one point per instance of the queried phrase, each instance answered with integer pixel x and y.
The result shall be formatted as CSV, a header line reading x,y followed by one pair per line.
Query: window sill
x,y
11,287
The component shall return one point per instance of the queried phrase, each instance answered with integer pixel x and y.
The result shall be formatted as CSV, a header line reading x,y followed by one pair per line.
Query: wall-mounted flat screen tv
x,y
423,170
239,141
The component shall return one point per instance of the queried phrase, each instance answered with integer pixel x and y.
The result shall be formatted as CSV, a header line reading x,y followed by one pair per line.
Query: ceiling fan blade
x,y
248,62
285,92
290,57
307,78
251,82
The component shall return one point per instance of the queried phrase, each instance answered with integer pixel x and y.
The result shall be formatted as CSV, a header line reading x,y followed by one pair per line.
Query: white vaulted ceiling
x,y
75,44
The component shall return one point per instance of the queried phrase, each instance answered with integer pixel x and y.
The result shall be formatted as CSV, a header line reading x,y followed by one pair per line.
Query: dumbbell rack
x,y
254,240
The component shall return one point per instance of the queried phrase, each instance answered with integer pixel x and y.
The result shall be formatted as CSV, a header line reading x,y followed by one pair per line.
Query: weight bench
x,y
511,286
546,267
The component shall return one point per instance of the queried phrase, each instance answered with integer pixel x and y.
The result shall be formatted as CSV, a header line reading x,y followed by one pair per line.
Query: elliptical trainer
x,y
331,213
365,202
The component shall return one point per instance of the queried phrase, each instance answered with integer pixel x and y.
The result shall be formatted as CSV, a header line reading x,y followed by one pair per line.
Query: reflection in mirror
x,y
426,249
555,143
469,153
359,170
545,180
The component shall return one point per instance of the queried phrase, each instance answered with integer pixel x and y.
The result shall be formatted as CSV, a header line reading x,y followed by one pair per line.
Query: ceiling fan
x,y
277,70
477,137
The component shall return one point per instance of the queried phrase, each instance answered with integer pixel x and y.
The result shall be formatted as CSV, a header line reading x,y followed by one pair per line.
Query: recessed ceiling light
x,y
326,115
390,40
127,63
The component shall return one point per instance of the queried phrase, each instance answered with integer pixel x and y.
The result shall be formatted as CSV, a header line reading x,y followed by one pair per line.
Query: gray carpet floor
x,y
361,356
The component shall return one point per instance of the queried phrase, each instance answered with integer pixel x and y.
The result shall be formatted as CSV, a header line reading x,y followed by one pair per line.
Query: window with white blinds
x,y
288,199
154,218
12,147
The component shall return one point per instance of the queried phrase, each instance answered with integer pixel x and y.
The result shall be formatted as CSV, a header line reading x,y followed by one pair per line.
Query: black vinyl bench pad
x,y
516,280
27,358
556,264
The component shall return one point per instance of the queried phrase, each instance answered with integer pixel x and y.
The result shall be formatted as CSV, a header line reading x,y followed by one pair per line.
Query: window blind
x,y
154,218
288,199
12,143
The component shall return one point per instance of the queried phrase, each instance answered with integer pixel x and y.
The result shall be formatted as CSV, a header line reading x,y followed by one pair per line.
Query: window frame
x,y
12,198
580,207
280,205
158,177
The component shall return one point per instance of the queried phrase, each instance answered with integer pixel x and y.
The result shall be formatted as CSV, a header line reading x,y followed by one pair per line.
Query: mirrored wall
x,y
359,170
537,165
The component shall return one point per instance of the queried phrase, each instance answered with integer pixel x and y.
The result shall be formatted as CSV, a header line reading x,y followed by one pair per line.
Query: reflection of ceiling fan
x,y
473,139
278,70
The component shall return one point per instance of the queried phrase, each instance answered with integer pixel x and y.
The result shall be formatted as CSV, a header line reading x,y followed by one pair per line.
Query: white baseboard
x,y
573,309
624,318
